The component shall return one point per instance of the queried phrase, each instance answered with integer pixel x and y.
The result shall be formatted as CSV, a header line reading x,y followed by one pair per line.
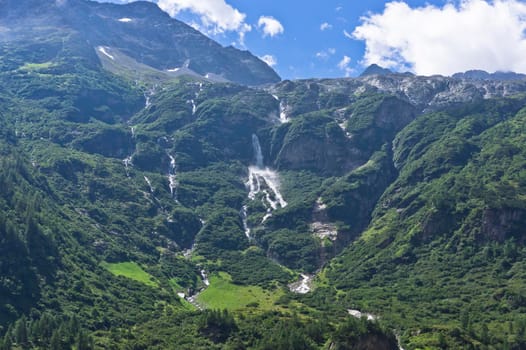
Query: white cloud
x,y
476,34
270,60
348,35
325,54
325,26
344,65
270,26
216,16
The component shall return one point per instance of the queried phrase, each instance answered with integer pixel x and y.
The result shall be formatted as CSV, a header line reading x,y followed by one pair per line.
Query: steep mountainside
x,y
139,30
147,209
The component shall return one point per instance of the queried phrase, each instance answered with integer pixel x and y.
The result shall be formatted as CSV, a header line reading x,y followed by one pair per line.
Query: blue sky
x,y
336,38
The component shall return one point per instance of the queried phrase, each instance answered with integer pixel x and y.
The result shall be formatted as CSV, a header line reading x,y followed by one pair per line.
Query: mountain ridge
x,y
163,43
142,209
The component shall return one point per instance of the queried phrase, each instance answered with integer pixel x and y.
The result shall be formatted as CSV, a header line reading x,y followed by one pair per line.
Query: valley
x,y
156,198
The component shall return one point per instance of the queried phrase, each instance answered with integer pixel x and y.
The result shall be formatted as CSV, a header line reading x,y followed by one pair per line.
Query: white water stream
x,y
148,94
127,163
283,110
204,276
172,177
244,218
359,314
149,184
263,180
303,286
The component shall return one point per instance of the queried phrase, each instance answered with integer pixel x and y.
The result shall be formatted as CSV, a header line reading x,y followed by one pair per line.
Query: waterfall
x,y
172,177
149,184
244,219
283,112
148,94
204,277
127,163
303,286
262,180
258,155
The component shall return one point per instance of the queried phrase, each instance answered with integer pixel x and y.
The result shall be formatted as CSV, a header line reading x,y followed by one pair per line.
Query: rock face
x,y
502,224
483,75
433,93
141,31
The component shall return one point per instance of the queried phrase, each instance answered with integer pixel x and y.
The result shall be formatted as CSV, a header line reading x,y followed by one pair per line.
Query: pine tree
x,y
83,341
21,331
55,342
8,343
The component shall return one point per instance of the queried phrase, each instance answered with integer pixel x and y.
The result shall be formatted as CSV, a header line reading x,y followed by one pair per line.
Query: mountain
x,y
148,208
139,30
375,69
483,75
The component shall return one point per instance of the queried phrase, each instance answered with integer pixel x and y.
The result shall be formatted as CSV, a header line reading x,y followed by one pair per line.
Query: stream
x,y
263,180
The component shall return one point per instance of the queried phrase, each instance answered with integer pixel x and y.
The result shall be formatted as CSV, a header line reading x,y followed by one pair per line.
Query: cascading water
x,y
147,96
258,155
244,218
283,110
127,163
263,180
172,177
149,184
303,286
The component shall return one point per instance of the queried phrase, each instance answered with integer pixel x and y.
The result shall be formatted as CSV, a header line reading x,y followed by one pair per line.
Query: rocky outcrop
x,y
317,144
504,223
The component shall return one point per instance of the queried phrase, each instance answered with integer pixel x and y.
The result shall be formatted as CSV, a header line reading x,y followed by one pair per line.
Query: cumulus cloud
x,y
270,26
270,60
325,26
344,65
475,34
216,16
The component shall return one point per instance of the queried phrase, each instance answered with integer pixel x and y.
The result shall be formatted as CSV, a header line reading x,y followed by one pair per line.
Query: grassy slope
x,y
131,270
223,294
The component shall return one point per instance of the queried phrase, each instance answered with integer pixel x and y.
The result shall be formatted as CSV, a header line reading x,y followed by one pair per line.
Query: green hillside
x,y
146,210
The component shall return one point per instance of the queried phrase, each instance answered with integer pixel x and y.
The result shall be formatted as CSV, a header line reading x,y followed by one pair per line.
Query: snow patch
x,y
103,51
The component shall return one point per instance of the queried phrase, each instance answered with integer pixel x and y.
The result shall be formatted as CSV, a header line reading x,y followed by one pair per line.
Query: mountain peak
x,y
140,30
375,69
